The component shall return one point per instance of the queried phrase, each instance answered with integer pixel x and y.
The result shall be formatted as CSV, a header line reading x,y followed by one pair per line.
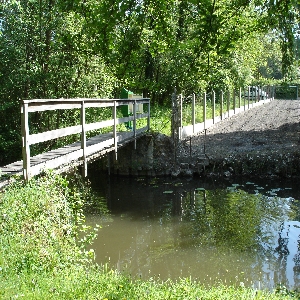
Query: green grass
x,y
43,240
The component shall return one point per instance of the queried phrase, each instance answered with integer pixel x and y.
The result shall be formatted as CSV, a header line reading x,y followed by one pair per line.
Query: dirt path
x,y
272,127
267,136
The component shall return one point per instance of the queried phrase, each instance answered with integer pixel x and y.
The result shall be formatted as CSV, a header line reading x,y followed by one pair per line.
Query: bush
x,y
40,226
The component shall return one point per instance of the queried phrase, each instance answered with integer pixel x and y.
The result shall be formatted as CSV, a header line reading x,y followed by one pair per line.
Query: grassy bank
x,y
43,241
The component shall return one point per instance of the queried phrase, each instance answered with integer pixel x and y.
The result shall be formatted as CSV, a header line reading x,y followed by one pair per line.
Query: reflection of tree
x,y
282,250
296,268
223,217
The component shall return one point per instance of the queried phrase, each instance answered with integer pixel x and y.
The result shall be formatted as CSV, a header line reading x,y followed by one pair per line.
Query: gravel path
x,y
272,127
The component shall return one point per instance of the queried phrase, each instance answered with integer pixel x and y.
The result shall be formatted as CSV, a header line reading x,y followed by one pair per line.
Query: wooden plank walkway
x,y
71,155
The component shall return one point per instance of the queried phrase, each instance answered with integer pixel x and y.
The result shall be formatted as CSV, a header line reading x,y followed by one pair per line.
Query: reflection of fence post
x,y
25,141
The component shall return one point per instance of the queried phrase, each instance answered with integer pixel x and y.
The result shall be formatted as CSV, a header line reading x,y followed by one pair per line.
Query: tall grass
x,y
43,240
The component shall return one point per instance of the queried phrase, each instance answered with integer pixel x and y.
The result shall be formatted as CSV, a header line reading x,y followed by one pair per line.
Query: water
x,y
241,233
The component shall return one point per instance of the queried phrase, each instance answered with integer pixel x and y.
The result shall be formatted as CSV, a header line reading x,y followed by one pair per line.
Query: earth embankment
x,y
262,141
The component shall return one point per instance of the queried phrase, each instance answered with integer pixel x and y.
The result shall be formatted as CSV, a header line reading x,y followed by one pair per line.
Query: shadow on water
x,y
240,233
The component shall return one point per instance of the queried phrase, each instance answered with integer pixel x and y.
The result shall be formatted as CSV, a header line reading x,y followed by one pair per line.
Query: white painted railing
x,y
235,99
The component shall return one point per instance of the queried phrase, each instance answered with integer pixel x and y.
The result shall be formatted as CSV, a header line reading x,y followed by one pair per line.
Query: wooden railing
x,y
40,105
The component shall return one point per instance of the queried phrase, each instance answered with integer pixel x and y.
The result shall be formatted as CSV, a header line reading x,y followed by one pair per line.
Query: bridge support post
x,y
83,139
25,141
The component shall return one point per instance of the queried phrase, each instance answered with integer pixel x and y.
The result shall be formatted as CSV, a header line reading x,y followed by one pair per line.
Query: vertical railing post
x,y
114,114
244,98
25,141
228,103
240,98
148,120
194,112
213,106
180,120
176,122
134,123
204,110
221,105
256,95
83,139
234,102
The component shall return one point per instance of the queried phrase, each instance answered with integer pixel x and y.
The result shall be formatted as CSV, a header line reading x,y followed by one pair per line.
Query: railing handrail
x,y
66,100
53,104
34,105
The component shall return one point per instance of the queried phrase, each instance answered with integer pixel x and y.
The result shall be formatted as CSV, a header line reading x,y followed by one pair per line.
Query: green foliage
x,y
41,226
54,49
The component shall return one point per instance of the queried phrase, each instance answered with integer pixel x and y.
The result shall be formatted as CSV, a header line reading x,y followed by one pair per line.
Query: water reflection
x,y
236,233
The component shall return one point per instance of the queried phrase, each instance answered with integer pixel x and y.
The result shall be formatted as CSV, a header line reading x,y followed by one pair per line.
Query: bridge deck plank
x,y
96,146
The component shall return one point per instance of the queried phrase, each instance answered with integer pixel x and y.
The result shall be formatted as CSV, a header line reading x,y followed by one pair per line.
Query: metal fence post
x,y
228,103
194,112
214,106
134,123
204,109
221,105
176,121
148,120
234,102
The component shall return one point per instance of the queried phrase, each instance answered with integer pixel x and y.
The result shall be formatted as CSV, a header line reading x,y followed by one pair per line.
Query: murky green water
x,y
245,233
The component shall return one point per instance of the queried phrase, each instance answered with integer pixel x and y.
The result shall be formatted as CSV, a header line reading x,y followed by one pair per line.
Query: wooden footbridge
x,y
128,119
121,128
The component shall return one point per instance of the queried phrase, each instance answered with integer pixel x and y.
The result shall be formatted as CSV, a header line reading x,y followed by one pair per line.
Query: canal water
x,y
241,232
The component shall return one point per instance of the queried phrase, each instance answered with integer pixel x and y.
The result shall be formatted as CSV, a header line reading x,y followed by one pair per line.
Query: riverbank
x,y
44,253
